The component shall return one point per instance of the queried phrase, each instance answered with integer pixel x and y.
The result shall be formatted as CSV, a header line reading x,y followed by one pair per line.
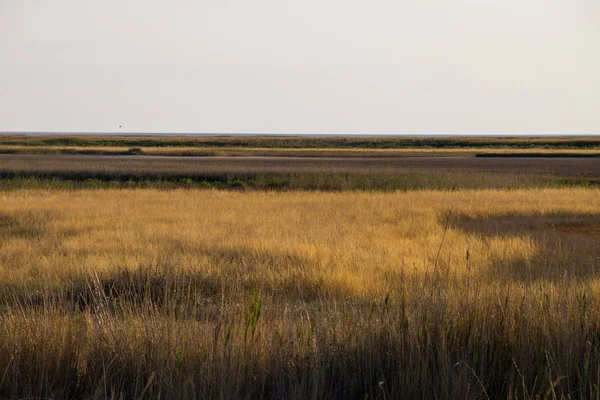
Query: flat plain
x,y
483,283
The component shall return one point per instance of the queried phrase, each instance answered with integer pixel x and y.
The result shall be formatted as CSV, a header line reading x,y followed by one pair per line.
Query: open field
x,y
225,294
347,173
317,277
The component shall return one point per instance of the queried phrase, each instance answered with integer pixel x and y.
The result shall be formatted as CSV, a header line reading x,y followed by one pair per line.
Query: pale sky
x,y
309,66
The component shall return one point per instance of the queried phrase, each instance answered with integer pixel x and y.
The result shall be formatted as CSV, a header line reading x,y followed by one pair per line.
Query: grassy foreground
x,y
220,294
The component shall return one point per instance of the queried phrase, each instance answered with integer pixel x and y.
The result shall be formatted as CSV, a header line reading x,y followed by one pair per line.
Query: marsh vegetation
x,y
296,173
302,146
267,294
306,142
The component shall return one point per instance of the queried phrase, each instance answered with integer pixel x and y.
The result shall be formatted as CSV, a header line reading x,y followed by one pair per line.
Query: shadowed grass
x,y
559,238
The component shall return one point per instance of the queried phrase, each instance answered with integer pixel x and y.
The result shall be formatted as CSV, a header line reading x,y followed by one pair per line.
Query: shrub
x,y
135,151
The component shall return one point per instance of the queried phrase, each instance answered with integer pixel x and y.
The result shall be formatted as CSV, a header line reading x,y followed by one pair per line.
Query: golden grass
x,y
328,234
468,294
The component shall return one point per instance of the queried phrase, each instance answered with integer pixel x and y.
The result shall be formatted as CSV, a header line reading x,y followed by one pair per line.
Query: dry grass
x,y
196,294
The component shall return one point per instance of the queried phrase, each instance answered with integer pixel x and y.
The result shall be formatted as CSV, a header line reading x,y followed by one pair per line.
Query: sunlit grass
x,y
207,293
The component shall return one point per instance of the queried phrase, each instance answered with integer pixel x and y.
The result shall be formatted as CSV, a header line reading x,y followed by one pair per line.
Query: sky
x,y
310,66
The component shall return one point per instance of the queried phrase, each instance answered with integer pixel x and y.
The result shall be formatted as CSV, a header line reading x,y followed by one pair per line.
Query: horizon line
x,y
118,133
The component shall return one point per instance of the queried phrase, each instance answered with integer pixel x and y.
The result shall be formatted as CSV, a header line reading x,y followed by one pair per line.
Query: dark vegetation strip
x,y
79,151
536,155
286,152
296,142
284,181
